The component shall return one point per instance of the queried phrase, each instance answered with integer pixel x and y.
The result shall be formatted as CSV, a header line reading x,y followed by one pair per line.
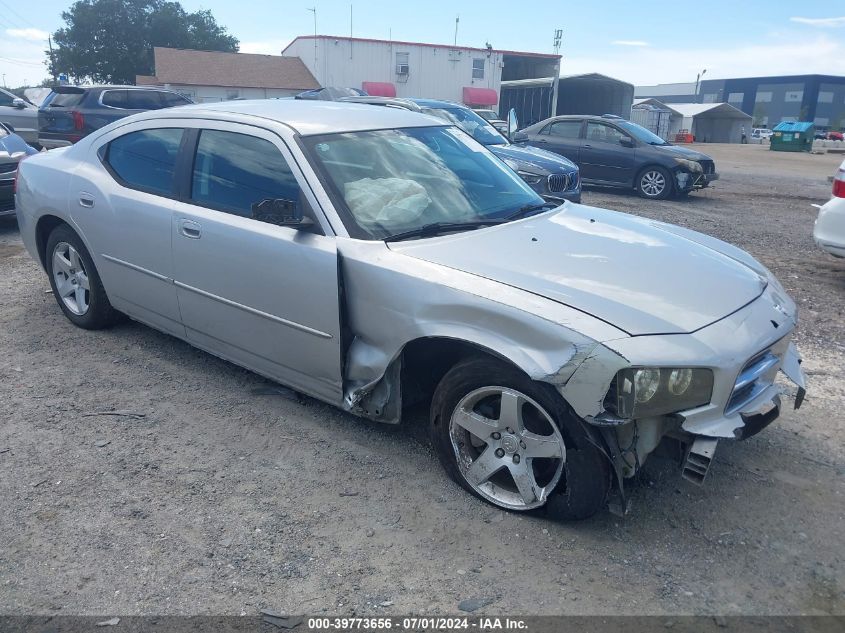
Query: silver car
x,y
376,258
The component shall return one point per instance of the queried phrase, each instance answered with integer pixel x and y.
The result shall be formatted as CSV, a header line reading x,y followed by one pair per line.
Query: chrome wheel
x,y
652,183
507,446
71,279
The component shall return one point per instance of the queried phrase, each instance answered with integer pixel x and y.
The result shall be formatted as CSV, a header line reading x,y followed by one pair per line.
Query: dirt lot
x,y
223,501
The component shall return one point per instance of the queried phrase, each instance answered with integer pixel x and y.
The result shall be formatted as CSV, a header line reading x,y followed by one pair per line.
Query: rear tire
x,y
655,183
75,282
536,453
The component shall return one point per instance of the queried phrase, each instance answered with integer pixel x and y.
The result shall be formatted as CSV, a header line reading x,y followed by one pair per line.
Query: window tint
x,y
114,98
170,99
143,100
565,129
146,160
601,133
5,98
243,175
64,100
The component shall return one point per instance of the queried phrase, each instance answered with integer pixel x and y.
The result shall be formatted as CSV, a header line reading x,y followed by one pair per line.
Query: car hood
x,y
13,148
637,275
534,159
682,152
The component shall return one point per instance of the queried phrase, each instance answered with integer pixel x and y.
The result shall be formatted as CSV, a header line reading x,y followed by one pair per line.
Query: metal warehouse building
x,y
472,76
768,100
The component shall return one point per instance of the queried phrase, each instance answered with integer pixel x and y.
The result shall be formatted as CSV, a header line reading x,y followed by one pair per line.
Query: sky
x,y
642,42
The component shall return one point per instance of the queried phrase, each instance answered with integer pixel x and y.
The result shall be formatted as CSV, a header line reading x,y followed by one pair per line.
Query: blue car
x,y
552,176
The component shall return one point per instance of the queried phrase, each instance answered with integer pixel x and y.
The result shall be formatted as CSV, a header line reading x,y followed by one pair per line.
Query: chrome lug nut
x,y
516,458
521,444
500,452
497,435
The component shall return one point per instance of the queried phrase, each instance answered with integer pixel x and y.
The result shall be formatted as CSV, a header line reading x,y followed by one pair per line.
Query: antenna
x,y
457,20
558,40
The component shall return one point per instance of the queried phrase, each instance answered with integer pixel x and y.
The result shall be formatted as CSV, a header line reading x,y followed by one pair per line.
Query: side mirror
x,y
513,124
18,103
519,137
626,141
277,211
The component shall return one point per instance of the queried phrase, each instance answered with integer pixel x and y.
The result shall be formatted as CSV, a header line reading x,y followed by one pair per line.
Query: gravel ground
x,y
215,499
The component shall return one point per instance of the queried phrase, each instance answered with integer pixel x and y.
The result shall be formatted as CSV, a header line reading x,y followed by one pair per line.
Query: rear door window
x,y
243,175
145,160
143,100
565,129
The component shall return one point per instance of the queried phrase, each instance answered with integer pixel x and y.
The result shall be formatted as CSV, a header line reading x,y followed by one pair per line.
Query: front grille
x,y
756,376
8,168
558,182
708,166
7,205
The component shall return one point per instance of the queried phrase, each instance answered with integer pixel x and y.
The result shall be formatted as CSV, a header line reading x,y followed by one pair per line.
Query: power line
x,y
20,17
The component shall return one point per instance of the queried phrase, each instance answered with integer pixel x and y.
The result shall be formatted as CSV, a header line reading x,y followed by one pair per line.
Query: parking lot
x,y
212,491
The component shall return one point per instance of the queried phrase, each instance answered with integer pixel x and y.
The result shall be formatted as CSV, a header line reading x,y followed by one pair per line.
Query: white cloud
x,y
821,22
647,66
630,43
35,35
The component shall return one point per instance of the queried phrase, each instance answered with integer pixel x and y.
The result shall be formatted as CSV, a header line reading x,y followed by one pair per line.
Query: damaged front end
x,y
696,389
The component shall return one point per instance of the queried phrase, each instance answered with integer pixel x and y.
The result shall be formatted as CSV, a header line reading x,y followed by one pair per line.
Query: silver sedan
x,y
377,258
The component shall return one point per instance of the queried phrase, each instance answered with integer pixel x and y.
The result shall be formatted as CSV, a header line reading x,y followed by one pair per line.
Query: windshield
x,y
391,181
640,133
471,123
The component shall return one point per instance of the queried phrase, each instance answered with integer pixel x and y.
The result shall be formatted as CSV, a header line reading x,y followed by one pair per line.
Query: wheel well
x,y
653,166
45,226
425,361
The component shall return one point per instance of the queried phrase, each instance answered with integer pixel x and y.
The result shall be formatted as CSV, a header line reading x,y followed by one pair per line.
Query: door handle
x,y
587,146
86,200
190,229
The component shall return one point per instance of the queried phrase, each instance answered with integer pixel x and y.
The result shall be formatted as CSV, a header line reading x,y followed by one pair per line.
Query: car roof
x,y
309,117
437,103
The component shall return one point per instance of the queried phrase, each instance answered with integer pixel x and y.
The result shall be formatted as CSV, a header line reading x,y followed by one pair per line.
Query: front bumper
x,y
688,181
7,198
727,347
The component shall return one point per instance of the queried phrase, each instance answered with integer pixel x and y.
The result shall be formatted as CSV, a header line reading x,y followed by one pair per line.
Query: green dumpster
x,y
792,136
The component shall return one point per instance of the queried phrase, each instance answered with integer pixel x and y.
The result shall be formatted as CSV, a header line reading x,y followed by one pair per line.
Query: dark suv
x,y
71,112
611,151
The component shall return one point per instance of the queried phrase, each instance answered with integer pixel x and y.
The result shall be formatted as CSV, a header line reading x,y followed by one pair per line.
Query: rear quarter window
x,y
145,160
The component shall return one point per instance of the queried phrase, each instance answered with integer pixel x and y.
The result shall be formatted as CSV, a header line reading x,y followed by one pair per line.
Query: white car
x,y
829,231
761,134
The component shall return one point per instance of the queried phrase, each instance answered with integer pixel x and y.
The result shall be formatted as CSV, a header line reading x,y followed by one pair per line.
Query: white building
x,y
205,76
707,122
472,76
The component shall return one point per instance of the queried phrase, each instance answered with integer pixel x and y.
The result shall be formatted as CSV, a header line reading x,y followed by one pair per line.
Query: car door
x,y
603,156
250,290
562,137
121,197
24,119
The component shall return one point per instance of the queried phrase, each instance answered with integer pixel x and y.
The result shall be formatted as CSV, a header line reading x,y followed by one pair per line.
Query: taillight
x,y
839,184
17,174
78,120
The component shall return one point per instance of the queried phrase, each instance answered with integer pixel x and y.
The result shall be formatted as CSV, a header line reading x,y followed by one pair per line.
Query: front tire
x,y
655,183
513,442
75,282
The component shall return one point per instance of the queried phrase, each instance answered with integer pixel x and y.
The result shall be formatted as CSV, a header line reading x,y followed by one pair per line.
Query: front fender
x,y
391,299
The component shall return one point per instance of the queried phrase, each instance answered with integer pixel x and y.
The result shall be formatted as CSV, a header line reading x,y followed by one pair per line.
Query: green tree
x,y
111,41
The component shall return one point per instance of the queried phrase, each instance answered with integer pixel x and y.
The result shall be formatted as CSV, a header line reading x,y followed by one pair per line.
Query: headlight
x,y
689,165
527,176
642,392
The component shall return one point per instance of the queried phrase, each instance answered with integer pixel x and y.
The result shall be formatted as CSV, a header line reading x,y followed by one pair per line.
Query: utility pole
x,y
4,80
457,20
697,82
52,59
314,11
558,40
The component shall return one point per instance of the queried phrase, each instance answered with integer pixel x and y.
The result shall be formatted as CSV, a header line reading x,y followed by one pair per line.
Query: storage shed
x,y
655,116
711,122
594,94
